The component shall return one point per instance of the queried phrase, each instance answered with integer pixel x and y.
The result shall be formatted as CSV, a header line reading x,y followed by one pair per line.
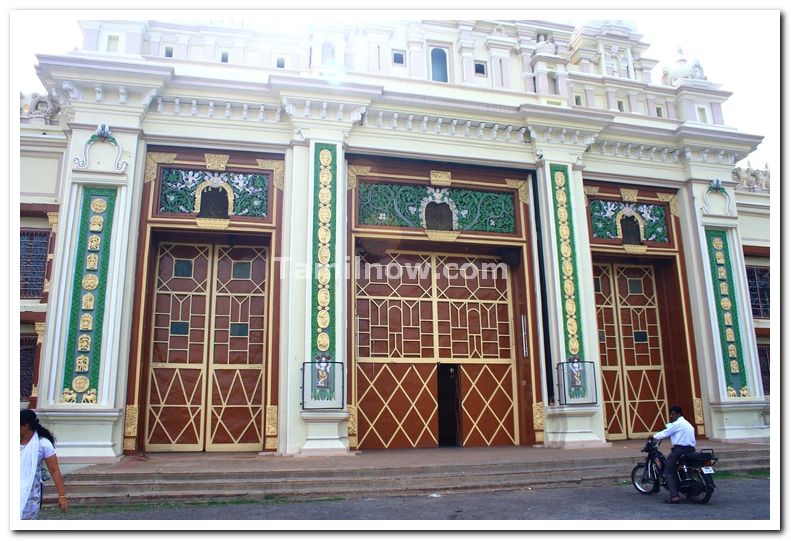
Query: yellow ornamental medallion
x,y
565,249
90,282
568,268
568,287
725,303
563,214
325,195
729,335
720,257
99,205
565,232
571,307
324,234
561,196
324,255
80,384
560,179
727,318
323,319
325,157
571,326
325,176
324,215
323,341
721,274
724,288
324,276
574,346
323,297
717,243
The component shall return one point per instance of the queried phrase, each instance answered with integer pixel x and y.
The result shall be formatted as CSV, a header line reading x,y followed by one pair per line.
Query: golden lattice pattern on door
x,y
206,386
633,378
415,311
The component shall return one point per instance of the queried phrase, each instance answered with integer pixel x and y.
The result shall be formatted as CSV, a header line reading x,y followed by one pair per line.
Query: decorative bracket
x,y
102,135
717,187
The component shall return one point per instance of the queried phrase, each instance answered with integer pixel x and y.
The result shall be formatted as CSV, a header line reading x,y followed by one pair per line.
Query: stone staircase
x,y
124,487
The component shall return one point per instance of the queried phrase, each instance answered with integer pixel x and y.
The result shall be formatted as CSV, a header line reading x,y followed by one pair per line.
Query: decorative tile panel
x,y
606,215
323,313
84,344
566,250
725,298
180,186
404,205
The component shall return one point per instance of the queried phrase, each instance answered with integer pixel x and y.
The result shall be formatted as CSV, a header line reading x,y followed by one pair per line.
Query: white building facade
x,y
409,234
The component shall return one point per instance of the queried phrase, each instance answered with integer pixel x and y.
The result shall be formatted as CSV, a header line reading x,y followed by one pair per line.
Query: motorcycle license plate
x,y
707,469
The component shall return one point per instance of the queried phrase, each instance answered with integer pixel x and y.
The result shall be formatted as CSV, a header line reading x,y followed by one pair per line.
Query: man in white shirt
x,y
682,436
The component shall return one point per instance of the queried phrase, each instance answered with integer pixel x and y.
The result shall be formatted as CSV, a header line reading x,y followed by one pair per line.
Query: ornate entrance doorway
x,y
207,361
630,343
419,318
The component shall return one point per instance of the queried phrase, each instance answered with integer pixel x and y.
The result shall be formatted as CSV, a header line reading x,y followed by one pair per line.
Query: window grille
x,y
33,247
27,355
758,283
763,363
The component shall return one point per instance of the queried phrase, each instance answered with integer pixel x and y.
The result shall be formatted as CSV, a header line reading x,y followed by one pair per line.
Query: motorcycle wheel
x,y
703,496
642,483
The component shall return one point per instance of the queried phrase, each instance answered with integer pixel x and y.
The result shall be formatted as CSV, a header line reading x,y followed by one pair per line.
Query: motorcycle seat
x,y
699,456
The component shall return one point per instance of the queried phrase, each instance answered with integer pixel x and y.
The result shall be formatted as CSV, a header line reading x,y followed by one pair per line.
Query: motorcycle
x,y
694,470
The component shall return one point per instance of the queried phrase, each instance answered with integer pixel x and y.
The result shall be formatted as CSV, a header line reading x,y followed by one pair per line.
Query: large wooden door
x,y
422,311
633,378
207,361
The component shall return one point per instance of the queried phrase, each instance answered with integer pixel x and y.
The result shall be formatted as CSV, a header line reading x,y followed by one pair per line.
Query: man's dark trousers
x,y
670,467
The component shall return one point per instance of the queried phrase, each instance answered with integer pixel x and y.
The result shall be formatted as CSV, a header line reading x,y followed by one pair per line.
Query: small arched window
x,y
327,54
630,230
439,217
439,64
213,203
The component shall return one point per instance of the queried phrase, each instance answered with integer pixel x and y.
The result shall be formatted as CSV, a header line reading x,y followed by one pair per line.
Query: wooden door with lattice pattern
x,y
207,364
417,311
630,348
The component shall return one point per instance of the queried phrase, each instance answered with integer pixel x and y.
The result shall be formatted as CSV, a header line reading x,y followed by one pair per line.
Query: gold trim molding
x,y
271,421
216,162
351,174
629,195
538,416
698,404
352,422
52,218
129,444
635,248
278,171
40,328
439,178
270,443
445,236
520,185
212,223
153,159
130,421
34,391
672,199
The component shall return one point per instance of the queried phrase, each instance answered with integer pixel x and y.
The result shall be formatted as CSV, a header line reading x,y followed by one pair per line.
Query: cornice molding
x,y
444,126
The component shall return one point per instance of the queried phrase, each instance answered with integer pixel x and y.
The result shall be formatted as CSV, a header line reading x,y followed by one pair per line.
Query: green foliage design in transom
x,y
404,205
250,190
604,214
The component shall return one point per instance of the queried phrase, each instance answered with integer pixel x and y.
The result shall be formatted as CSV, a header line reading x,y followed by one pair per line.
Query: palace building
x,y
391,235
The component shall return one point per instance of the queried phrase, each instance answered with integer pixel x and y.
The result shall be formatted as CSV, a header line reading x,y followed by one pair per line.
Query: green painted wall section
x,y
90,211
724,295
